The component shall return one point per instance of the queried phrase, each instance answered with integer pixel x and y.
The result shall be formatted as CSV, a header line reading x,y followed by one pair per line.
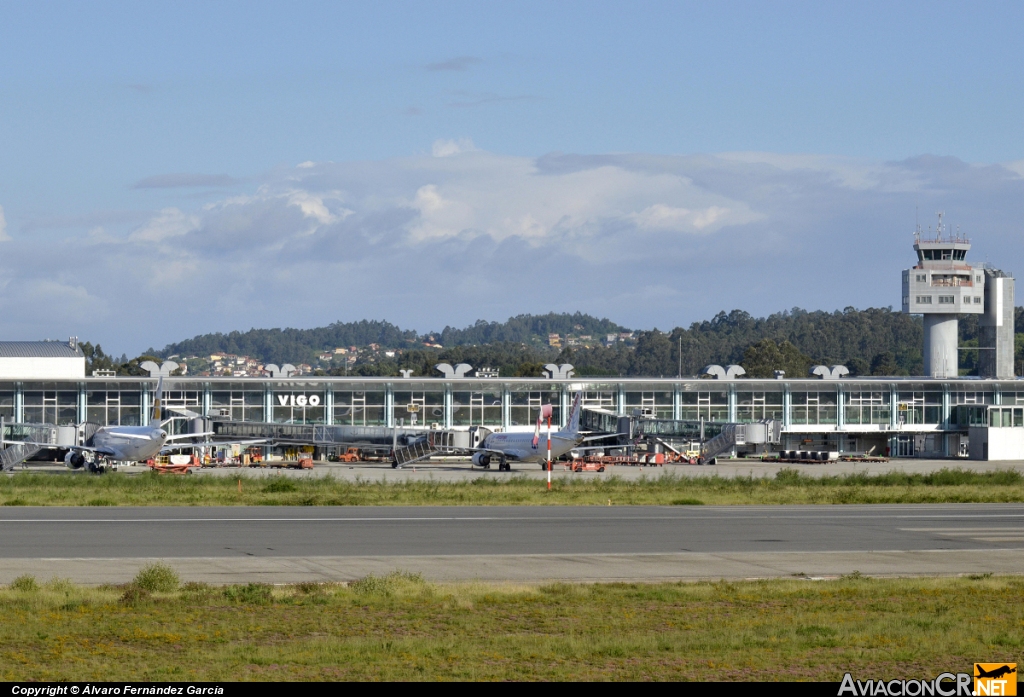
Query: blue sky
x,y
433,163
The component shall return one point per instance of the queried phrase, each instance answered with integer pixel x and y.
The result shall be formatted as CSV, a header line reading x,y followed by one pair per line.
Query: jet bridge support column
x,y
82,410
506,407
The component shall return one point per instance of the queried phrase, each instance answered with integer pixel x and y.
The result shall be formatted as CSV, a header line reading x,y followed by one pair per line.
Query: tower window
x,y
924,300
947,299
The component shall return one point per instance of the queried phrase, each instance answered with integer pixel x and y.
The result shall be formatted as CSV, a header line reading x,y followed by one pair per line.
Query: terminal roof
x,y
38,349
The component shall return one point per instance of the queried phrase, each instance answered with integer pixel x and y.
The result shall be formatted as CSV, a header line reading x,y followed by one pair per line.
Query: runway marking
x,y
991,535
962,531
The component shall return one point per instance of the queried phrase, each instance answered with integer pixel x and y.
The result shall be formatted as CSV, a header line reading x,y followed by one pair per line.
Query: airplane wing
x,y
86,448
191,435
214,443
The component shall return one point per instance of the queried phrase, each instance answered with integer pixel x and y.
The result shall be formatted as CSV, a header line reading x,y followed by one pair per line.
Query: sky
x,y
172,169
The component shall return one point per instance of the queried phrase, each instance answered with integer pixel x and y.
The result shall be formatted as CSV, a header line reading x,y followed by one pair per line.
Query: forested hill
x,y
875,341
301,345
528,329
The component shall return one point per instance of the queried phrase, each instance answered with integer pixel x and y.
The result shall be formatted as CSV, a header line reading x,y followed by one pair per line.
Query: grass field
x,y
400,627
948,485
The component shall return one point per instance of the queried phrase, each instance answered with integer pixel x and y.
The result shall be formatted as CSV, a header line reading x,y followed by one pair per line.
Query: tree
x,y
884,364
762,359
653,355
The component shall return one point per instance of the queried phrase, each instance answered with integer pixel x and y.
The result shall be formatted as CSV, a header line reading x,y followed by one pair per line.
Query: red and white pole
x,y
549,450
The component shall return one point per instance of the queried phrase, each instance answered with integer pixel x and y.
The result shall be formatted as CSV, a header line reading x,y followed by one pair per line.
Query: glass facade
x,y
113,405
710,406
365,407
49,403
655,402
238,402
422,404
899,404
866,406
7,405
814,408
526,401
298,403
757,405
477,408
915,407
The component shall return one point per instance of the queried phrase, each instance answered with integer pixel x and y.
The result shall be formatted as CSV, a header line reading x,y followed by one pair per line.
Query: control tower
x,y
942,286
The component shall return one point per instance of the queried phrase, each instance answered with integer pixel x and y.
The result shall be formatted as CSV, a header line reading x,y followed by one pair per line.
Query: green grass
x,y
399,627
788,486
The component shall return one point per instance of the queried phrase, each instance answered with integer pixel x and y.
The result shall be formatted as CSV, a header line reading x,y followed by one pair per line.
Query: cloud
x,y
458,63
447,148
183,180
87,220
460,233
4,237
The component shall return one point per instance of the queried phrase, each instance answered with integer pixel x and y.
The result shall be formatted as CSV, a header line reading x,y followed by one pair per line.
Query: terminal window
x,y
7,405
526,404
51,407
813,408
754,406
476,408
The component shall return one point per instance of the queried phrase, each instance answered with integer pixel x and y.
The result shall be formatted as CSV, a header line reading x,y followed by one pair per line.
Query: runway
x,y
284,544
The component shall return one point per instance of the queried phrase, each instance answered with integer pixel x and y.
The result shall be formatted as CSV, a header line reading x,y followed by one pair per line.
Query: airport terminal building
x,y
940,415
925,417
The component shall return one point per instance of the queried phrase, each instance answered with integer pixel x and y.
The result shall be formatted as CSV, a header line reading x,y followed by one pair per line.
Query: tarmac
x,y
460,469
515,544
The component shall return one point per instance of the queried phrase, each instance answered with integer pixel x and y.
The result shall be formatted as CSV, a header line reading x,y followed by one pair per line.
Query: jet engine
x,y
75,460
482,460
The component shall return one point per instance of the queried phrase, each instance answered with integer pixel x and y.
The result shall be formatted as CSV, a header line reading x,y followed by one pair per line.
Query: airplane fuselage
x,y
129,443
527,447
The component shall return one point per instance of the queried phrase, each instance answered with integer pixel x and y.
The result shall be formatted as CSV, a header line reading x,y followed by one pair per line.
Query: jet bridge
x,y
714,437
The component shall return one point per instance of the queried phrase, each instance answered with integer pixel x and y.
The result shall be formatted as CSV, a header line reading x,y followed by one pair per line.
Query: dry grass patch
x,y
399,626
787,487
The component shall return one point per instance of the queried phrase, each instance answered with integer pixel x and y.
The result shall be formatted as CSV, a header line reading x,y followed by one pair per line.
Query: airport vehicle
x,y
524,447
351,455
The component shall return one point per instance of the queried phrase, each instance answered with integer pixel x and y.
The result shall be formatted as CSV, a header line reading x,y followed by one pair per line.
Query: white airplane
x,y
125,443
524,447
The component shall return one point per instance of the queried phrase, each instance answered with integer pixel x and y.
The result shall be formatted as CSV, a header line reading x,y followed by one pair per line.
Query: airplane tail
x,y
157,398
573,426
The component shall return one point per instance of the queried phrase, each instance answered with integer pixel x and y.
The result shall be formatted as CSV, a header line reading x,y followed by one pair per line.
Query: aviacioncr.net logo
x,y
944,685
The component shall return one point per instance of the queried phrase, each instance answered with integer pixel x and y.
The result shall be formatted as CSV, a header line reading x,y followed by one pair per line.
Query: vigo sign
x,y
298,400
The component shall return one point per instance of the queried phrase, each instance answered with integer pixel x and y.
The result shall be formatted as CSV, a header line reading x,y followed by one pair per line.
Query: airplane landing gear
x,y
504,465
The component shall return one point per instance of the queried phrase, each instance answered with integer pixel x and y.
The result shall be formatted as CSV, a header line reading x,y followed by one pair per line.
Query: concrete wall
x,y
36,368
940,345
996,443
996,327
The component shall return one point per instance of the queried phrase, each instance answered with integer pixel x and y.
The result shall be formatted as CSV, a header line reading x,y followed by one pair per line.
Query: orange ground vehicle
x,y
351,455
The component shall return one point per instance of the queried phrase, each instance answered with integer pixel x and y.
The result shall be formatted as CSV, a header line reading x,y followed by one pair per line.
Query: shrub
x,y
25,583
157,578
60,585
250,594
280,485
134,594
386,585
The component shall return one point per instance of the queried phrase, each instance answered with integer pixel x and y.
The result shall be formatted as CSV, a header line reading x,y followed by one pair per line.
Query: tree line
x,y
874,341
